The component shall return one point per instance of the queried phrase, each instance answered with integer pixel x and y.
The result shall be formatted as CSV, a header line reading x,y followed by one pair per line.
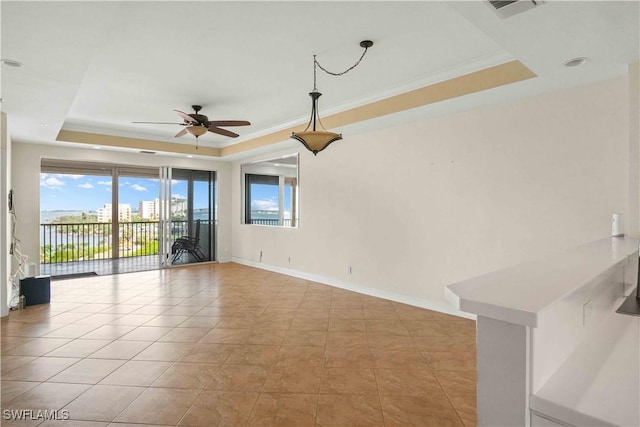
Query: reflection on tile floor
x,y
225,344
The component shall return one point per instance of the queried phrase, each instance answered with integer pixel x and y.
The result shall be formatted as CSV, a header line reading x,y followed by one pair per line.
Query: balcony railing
x,y
90,241
270,221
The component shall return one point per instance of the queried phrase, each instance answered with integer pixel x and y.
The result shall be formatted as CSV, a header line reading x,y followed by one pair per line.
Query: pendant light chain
x,y
315,62
317,140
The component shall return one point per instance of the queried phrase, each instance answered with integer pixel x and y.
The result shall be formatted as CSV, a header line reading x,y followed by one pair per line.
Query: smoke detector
x,y
505,9
576,62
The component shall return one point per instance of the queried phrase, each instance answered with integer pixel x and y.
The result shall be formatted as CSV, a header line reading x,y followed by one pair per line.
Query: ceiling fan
x,y
198,124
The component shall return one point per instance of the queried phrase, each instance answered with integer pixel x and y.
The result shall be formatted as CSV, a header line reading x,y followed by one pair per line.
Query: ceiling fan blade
x,y
182,132
229,123
187,118
224,132
159,123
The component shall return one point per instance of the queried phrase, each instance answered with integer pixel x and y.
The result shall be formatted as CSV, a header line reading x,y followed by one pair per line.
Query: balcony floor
x,y
101,267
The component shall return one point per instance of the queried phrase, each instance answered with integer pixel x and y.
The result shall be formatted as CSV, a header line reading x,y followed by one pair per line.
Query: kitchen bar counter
x,y
551,349
519,294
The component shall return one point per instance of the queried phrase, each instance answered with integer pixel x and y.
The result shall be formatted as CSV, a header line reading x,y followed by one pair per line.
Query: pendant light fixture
x,y
318,138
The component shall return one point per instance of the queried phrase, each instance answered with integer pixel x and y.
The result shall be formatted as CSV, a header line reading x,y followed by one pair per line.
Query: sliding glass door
x,y
135,193
188,217
98,218
203,210
104,218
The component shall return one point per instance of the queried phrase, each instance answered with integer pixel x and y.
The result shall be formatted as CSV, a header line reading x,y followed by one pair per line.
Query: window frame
x,y
265,168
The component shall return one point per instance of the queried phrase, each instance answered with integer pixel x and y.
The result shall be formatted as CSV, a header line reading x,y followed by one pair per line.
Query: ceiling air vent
x,y
147,152
505,9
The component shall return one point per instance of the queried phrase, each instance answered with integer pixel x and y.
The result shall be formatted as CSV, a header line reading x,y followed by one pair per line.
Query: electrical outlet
x,y
350,271
587,312
260,256
289,260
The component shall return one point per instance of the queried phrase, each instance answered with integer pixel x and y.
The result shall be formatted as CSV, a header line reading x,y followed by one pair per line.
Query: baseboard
x,y
224,260
380,293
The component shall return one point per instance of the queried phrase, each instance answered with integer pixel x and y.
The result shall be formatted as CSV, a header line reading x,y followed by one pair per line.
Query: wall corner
x,y
5,216
634,149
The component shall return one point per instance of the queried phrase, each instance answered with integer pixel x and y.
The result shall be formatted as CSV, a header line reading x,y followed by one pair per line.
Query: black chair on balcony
x,y
189,245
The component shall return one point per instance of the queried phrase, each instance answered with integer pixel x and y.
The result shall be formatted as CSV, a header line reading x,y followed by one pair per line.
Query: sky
x,y
264,197
91,192
87,192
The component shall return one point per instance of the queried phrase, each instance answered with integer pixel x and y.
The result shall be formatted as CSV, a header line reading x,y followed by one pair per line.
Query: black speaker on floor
x,y
36,290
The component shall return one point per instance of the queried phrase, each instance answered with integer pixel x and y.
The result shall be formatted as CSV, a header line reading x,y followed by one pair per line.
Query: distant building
x,y
178,206
149,209
124,212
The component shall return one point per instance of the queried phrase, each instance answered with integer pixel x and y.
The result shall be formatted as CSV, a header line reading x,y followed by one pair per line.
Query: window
x,y
270,192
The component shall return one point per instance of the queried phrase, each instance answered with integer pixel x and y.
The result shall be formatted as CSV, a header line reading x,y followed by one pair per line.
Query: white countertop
x,y
519,293
599,385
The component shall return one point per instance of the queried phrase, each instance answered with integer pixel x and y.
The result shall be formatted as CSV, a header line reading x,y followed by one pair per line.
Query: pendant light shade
x,y
315,137
315,140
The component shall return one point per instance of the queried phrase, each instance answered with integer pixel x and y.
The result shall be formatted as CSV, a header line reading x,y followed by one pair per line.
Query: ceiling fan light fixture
x,y
197,130
198,124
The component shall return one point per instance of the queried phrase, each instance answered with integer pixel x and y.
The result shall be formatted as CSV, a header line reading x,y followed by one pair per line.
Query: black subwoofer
x,y
36,290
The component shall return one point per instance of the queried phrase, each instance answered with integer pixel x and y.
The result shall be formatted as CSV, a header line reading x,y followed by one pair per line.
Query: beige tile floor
x,y
225,344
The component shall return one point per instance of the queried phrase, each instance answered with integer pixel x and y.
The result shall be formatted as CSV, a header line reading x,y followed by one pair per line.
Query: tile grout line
x,y
186,291
322,367
117,385
375,375
147,387
205,388
441,387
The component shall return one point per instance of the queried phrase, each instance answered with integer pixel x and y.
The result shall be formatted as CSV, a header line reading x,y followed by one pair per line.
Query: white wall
x,y
26,178
5,218
416,207
634,149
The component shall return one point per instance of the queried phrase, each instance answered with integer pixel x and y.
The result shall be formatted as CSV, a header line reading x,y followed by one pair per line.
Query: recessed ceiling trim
x,y
489,78
477,64
135,143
